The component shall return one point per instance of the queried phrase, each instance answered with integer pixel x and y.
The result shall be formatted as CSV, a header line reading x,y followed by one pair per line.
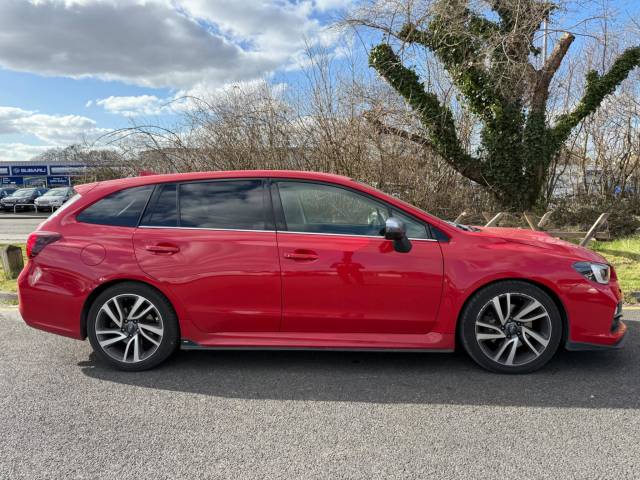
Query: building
x,y
39,174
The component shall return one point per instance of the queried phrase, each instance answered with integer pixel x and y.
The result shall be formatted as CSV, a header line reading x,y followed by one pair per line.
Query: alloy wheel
x,y
513,329
129,328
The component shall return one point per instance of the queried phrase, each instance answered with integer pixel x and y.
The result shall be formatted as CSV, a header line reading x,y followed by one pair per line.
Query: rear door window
x,y
122,208
228,204
163,207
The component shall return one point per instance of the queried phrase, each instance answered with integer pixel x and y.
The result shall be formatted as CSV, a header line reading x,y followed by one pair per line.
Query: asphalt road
x,y
16,228
312,414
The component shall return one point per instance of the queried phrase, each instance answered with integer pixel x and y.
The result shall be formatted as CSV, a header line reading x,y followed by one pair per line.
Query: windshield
x,y
23,193
56,192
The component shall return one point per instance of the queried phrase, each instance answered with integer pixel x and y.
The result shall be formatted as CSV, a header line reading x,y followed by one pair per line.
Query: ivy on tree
x,y
517,145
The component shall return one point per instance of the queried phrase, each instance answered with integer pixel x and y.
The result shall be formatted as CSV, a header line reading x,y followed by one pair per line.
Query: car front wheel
x,y
132,327
511,327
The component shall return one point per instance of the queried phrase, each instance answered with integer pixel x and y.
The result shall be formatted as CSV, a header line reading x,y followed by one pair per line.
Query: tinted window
x,y
415,228
121,208
162,209
318,208
237,204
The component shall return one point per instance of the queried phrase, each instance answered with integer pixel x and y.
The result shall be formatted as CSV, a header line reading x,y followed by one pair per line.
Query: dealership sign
x,y
4,170
67,169
11,181
30,170
58,181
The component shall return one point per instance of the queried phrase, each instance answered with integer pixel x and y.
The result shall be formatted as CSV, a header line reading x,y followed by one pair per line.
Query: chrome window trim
x,y
207,228
377,237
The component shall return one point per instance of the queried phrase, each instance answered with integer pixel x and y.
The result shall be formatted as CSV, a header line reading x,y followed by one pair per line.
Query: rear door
x,y
213,243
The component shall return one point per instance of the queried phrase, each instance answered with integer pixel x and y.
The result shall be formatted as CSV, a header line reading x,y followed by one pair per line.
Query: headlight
x,y
596,272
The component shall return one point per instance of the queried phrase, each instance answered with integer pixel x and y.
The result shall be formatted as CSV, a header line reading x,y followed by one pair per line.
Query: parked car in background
x,y
54,198
285,259
22,199
5,192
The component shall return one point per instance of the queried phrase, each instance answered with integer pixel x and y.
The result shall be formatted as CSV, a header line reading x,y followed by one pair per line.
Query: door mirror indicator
x,y
396,230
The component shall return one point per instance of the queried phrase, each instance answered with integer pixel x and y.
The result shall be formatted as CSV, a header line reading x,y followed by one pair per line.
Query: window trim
x,y
280,219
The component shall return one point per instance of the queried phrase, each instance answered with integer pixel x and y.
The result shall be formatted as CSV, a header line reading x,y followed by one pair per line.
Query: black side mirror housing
x,y
396,230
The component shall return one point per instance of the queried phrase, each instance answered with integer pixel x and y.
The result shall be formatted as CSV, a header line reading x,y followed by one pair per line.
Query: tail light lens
x,y
38,240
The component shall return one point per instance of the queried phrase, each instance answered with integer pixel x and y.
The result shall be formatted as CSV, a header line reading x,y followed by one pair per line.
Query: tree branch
x,y
549,69
461,57
597,88
437,118
385,129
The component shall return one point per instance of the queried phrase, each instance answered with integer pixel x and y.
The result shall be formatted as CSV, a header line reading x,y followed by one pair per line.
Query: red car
x,y
299,260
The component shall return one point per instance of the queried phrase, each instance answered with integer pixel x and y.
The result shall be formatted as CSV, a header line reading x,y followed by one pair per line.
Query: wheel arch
x,y
545,288
104,286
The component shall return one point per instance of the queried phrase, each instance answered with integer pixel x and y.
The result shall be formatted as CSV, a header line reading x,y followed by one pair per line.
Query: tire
x,y
115,327
520,338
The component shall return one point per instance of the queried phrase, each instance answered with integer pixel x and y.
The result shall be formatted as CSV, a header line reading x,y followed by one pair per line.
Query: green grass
x,y
624,255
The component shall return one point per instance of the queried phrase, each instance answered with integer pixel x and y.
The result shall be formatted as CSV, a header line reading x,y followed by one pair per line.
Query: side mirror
x,y
395,229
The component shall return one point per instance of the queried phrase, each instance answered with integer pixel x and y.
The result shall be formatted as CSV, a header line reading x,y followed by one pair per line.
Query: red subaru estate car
x,y
285,259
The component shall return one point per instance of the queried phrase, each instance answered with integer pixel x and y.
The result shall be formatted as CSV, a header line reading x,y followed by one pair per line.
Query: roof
x,y
182,177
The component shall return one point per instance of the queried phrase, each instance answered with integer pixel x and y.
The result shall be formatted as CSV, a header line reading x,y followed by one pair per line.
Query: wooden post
x,y
494,220
594,229
529,219
12,262
460,217
545,219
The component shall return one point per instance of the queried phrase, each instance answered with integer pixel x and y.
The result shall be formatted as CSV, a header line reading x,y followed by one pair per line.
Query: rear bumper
x,y
50,305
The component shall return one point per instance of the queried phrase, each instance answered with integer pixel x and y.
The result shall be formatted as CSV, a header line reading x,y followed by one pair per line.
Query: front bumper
x,y
612,340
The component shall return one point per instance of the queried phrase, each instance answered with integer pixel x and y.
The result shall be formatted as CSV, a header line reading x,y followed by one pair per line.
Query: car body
x,y
5,192
53,198
22,198
287,259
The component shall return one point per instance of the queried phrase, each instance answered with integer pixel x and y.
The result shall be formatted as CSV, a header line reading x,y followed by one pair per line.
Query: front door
x,y
213,244
339,274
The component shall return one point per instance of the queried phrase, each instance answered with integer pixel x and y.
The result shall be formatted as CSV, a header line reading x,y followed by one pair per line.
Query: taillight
x,y
40,239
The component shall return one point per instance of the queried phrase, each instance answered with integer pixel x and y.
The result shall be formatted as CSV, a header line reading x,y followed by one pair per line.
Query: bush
x,y
582,211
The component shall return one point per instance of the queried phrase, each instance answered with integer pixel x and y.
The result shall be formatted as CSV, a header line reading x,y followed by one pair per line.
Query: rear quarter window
x,y
122,208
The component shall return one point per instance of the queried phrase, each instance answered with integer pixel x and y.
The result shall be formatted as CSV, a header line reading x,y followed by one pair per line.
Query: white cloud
x,y
133,106
158,43
20,152
325,5
57,129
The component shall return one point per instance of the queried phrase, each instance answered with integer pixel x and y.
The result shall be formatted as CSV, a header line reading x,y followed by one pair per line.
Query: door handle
x,y
301,255
168,249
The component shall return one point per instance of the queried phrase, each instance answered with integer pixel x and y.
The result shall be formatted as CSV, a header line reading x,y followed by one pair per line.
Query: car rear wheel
x,y
132,327
511,327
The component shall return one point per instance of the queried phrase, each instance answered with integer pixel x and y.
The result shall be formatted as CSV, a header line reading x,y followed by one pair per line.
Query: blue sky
x,y
76,69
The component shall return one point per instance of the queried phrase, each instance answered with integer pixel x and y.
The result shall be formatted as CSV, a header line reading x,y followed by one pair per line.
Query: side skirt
x,y
428,342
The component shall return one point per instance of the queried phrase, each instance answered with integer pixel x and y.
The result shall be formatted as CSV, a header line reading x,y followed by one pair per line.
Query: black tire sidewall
x,y
480,298
170,337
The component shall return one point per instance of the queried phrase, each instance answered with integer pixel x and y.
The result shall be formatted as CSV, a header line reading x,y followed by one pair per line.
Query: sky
x,y
73,70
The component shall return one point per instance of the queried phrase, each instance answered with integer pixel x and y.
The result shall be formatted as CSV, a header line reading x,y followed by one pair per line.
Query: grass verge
x,y
624,255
